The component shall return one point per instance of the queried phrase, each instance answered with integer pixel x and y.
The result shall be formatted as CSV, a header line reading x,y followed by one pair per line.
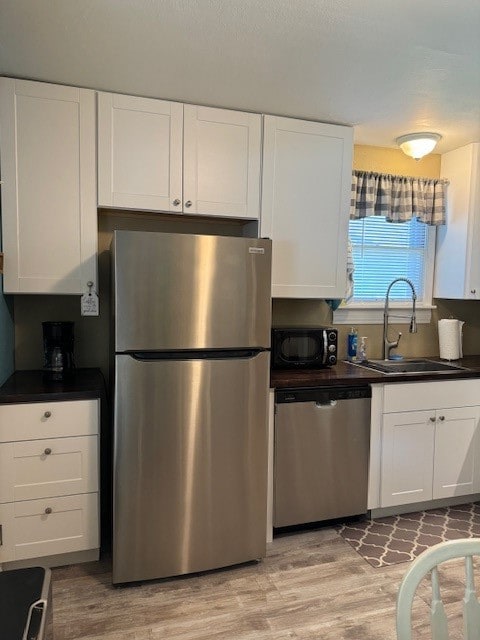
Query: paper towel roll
x,y
450,338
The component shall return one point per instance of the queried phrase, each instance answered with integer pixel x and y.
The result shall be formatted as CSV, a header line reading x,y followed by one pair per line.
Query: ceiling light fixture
x,y
417,145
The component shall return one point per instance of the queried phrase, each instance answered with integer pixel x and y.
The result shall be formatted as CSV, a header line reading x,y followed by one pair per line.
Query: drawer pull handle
x,y
47,451
432,418
441,418
48,510
47,414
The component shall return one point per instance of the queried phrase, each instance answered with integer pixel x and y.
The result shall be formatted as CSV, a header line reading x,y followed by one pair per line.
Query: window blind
x,y
383,251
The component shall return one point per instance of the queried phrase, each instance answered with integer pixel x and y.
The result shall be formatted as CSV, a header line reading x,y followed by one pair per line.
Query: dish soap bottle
x,y
352,344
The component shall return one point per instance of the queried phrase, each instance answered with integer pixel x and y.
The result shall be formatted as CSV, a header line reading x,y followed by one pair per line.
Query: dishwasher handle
x,y
322,395
329,404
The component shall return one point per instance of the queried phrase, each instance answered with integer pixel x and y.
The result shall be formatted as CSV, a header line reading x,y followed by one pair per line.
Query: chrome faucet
x,y
387,345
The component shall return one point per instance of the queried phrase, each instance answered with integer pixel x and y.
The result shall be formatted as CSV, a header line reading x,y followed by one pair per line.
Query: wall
x,y
92,334
386,160
7,339
425,341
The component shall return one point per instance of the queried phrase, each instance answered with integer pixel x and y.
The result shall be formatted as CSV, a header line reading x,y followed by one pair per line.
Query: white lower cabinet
x,y
457,455
49,483
429,453
50,526
44,468
407,458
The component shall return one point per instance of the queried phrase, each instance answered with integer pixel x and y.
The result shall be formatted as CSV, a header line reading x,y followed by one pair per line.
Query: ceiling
x,y
384,66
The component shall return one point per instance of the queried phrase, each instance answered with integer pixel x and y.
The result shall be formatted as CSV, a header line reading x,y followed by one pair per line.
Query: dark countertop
x,y
35,386
346,374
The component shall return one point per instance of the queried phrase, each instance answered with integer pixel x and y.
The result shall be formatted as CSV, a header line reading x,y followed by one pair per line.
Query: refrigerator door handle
x,y
204,354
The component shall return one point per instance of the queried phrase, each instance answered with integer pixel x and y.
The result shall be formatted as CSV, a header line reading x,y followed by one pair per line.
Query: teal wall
x,y
7,337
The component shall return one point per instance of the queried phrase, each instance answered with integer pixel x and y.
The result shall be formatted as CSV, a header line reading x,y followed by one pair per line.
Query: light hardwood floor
x,y
311,585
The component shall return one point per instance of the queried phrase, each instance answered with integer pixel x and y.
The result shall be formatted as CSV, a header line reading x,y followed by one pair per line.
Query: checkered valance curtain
x,y
398,198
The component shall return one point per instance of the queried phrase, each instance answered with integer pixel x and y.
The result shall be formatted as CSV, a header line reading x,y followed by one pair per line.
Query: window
x,y
383,251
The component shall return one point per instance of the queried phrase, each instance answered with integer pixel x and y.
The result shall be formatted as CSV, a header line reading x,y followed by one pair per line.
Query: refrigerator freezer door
x,y
190,465
178,291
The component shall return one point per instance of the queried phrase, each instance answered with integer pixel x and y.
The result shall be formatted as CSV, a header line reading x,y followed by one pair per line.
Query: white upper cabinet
x,y
139,153
48,164
307,175
221,162
457,262
165,156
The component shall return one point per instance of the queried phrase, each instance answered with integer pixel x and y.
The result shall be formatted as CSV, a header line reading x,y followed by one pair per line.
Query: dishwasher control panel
x,y
322,394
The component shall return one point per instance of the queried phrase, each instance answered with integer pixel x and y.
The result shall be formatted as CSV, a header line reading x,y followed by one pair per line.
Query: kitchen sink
x,y
420,365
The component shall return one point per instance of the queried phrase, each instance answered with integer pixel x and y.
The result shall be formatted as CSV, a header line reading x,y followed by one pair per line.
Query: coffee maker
x,y
58,360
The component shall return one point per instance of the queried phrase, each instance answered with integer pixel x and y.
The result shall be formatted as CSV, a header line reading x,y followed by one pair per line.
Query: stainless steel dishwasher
x,y
322,439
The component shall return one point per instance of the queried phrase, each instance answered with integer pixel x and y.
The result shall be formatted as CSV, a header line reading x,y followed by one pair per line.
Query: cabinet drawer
x,y
40,420
33,469
417,396
49,526
7,551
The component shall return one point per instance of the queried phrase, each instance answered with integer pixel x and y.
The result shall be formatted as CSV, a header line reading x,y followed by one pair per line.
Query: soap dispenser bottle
x,y
352,344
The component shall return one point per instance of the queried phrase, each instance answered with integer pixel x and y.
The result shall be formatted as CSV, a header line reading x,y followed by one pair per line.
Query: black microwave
x,y
304,347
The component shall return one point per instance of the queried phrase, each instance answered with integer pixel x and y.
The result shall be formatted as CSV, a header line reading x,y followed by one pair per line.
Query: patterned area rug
x,y
402,538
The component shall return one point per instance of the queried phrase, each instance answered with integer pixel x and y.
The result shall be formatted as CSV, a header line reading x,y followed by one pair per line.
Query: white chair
x,y
426,562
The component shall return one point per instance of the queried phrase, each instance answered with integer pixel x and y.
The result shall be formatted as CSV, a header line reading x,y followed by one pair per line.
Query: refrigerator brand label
x,y
256,250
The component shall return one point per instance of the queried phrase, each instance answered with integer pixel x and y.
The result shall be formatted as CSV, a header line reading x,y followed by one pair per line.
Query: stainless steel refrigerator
x,y
192,318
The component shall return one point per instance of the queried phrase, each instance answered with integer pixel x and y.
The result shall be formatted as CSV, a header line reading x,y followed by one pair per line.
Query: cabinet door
x,y
457,259
456,471
49,213
407,457
307,175
7,472
221,174
54,525
44,468
139,153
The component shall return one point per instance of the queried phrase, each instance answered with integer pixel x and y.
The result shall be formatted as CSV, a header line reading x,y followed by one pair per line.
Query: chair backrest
x,y
428,562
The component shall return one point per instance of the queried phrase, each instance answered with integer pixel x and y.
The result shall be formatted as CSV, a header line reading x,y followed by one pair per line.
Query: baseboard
x,y
422,506
60,560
